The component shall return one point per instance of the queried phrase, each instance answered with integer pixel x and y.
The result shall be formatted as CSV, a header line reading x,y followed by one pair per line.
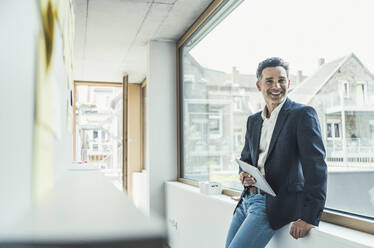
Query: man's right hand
x,y
246,179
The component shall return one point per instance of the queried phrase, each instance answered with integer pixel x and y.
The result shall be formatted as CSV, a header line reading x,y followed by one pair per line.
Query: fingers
x,y
241,176
244,174
300,229
305,230
248,181
293,231
300,233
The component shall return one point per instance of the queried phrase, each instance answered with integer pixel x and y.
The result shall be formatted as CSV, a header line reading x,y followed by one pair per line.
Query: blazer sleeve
x,y
312,156
246,154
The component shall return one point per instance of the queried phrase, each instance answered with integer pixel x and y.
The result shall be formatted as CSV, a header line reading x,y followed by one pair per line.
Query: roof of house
x,y
305,91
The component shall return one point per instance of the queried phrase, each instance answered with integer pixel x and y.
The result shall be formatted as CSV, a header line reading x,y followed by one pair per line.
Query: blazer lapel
x,y
256,138
282,116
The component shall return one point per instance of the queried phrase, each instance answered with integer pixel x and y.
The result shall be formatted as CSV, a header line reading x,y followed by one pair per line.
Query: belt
x,y
255,190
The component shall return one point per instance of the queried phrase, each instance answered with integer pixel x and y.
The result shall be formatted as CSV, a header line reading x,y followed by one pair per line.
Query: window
x,y
237,104
336,129
361,93
225,52
99,129
190,78
198,127
238,140
215,127
371,130
333,129
95,147
103,135
329,130
346,89
95,134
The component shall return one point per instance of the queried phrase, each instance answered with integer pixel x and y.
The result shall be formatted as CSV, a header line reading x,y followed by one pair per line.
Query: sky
x,y
298,31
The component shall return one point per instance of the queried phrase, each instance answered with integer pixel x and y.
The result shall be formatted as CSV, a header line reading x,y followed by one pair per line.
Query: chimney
x,y
321,61
299,77
235,74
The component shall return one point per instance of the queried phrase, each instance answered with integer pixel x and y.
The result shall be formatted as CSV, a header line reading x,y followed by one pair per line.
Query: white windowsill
x,y
327,230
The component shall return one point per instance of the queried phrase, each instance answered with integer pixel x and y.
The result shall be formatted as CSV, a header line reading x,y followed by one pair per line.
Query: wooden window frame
x,y
349,221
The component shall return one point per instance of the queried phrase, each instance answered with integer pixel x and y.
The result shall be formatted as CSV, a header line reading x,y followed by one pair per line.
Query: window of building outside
x,y
362,92
218,88
99,129
346,89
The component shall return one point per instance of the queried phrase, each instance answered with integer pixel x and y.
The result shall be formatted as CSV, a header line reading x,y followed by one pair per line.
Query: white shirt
x,y
266,132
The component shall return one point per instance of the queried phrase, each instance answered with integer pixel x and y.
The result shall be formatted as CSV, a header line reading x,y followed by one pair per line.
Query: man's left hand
x,y
300,229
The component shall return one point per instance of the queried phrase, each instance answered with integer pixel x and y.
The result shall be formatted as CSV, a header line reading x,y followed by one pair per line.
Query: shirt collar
x,y
275,112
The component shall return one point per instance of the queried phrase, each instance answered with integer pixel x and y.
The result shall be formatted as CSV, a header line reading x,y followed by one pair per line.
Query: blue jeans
x,y
250,227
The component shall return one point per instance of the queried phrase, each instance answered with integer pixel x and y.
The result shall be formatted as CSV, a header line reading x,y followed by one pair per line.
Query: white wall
x,y
197,220
194,219
161,121
139,184
19,25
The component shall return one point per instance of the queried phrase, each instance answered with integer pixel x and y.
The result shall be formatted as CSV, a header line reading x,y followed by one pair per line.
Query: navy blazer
x,y
295,164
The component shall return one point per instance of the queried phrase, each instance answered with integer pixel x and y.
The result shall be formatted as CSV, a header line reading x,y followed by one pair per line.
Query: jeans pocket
x,y
257,205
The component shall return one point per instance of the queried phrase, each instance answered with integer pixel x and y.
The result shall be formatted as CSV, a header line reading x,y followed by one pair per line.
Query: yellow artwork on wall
x,y
43,133
47,122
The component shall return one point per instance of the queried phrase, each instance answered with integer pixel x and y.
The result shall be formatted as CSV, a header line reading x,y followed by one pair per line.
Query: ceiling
x,y
111,35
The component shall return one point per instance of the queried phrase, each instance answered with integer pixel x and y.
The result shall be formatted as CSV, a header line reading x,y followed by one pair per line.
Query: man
x,y
284,142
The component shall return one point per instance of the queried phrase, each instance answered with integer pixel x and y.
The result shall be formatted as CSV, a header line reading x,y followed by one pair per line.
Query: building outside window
x,y
218,86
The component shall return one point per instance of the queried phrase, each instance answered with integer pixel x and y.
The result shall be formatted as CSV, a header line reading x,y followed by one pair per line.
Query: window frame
x,y
124,87
363,85
330,216
346,90
218,119
333,124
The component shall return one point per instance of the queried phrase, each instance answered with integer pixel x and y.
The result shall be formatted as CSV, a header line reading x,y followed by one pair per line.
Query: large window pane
x,y
331,58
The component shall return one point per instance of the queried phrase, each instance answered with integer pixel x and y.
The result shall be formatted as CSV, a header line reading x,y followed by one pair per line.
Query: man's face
x,y
274,85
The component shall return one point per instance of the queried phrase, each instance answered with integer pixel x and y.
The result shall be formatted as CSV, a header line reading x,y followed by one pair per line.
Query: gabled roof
x,y
306,90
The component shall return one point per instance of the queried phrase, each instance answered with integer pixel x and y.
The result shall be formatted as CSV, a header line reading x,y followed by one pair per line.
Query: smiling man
x,y
284,142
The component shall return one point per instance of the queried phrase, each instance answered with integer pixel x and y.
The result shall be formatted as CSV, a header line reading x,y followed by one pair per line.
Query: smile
x,y
275,93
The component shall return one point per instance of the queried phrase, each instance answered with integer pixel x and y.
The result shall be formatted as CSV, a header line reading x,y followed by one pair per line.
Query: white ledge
x,y
326,231
83,207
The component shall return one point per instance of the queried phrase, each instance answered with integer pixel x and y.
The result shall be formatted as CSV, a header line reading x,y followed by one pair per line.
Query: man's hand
x,y
235,198
246,179
300,229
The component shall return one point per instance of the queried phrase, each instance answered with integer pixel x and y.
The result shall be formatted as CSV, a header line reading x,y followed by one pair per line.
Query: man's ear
x,y
289,81
258,86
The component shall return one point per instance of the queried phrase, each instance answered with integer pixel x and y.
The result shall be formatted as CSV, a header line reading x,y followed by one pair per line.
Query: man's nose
x,y
276,85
